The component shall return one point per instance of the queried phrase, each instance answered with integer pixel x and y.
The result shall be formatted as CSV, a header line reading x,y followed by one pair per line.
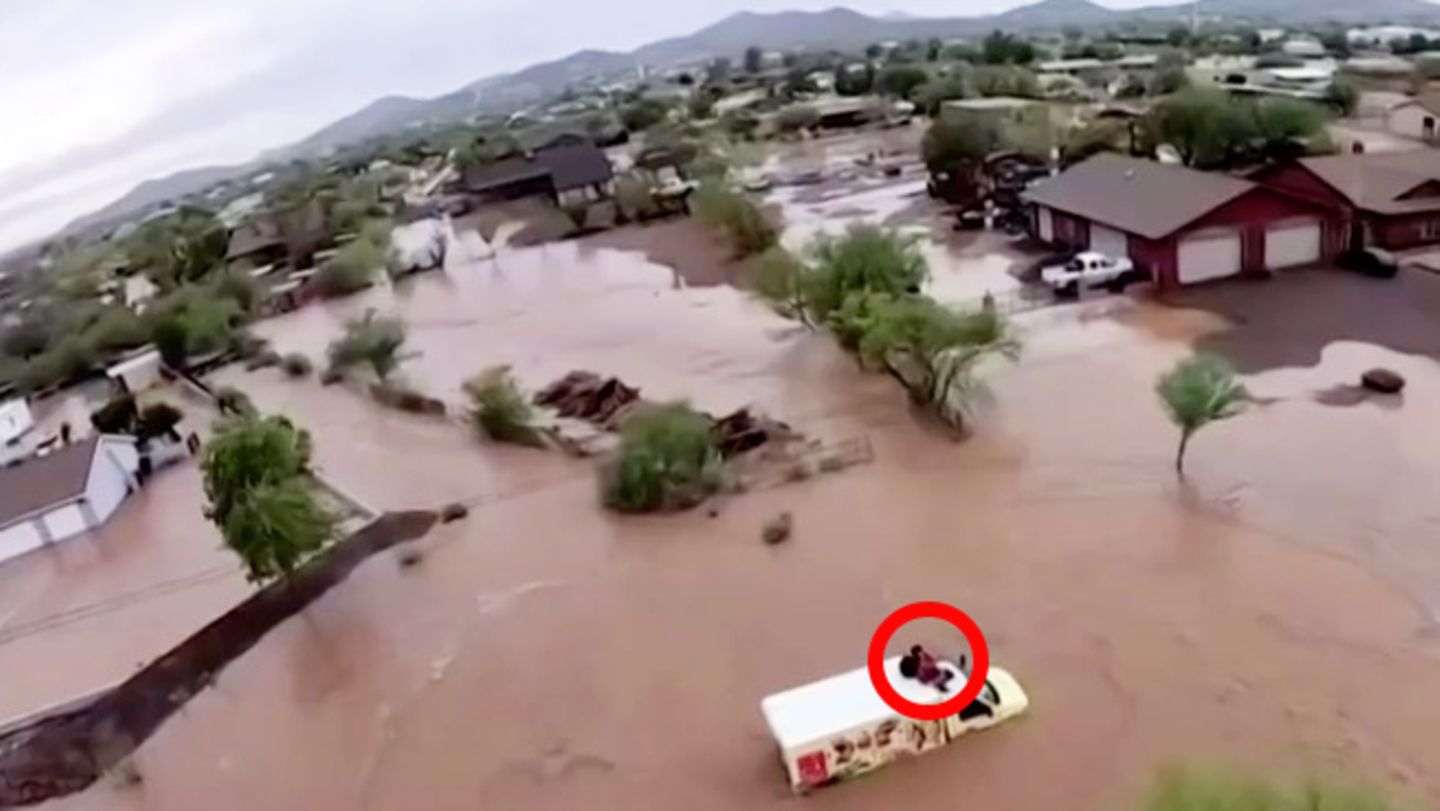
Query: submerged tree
x,y
374,341
1199,390
499,409
934,350
781,279
865,260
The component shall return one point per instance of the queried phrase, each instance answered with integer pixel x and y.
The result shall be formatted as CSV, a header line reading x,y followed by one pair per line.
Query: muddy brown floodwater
x,y
1270,611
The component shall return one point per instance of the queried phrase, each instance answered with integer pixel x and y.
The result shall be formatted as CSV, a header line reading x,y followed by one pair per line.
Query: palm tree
x,y
1198,391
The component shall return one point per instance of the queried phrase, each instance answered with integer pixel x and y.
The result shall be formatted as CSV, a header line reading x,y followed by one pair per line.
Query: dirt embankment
x,y
63,754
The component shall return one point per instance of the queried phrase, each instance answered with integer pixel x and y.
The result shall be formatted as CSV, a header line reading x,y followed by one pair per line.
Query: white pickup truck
x,y
1089,270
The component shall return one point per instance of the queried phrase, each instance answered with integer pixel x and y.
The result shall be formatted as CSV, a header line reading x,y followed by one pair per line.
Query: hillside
x,y
833,28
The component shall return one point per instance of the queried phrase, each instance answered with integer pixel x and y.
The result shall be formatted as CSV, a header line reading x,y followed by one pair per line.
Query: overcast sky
x,y
99,95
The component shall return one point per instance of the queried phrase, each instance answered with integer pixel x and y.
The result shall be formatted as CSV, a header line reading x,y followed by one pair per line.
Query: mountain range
x,y
839,28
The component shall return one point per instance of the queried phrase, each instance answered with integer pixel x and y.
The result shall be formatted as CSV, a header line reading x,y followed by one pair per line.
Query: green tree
x,y
275,527
899,80
1168,81
1285,126
643,114
1001,48
117,416
865,260
371,340
934,350
754,59
929,96
184,247
955,149
249,451
157,420
1203,126
667,460
1004,80
117,329
1101,136
1199,390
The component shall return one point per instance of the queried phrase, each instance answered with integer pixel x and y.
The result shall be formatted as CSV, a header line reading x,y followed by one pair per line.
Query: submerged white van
x,y
840,727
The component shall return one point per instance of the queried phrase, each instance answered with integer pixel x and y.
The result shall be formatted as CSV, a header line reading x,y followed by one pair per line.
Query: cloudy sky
x,y
101,94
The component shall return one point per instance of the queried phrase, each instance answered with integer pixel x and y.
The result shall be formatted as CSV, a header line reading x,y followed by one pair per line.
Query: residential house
x,y
15,420
259,241
50,498
570,170
1415,118
136,373
1179,225
1387,200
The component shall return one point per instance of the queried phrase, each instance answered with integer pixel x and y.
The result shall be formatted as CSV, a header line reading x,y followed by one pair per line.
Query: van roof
x,y
830,706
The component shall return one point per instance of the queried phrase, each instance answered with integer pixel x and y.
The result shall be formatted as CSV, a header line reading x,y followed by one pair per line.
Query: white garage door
x,y
1109,241
19,539
65,522
1292,244
1210,255
1045,223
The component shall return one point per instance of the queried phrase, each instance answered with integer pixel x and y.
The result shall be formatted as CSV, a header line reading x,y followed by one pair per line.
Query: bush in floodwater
x,y
667,460
499,409
296,365
1180,789
865,260
742,221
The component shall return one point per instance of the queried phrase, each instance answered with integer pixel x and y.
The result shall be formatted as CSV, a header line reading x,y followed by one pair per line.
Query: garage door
x,y
19,539
1209,255
1108,241
1292,244
1045,223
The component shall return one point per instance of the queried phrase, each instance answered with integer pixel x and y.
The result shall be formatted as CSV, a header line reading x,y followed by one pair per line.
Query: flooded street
x,y
1270,610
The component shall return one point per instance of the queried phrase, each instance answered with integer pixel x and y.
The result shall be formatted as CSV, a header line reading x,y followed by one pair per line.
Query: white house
x,y
49,498
1415,118
15,420
137,373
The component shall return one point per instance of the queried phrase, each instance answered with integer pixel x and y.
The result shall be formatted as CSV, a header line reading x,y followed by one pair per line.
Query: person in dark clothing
x,y
925,669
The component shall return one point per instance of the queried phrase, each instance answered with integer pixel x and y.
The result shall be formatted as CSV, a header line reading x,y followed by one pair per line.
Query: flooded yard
x,y
1272,609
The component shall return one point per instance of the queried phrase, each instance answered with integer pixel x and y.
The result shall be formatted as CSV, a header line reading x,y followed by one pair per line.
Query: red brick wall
x,y
1405,232
1157,257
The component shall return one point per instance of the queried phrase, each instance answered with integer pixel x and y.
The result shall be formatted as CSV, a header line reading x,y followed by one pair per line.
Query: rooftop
x,y
1137,196
993,103
45,481
1387,183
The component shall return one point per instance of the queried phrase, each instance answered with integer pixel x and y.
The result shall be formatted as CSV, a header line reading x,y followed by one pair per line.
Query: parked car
x,y
1371,262
1089,270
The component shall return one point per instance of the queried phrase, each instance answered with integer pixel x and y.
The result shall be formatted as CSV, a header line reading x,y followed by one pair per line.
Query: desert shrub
x,y
352,269
499,409
230,400
667,460
371,340
736,215
296,365
781,279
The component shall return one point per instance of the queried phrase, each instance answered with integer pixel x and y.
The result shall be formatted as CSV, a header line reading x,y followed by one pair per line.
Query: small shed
x,y
137,373
64,493
15,420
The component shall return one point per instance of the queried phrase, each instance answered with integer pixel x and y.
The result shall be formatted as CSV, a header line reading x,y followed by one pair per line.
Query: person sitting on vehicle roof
x,y
920,665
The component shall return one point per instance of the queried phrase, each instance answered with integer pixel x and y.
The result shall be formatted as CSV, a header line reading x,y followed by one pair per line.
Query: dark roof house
x,y
567,165
1179,225
1387,199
